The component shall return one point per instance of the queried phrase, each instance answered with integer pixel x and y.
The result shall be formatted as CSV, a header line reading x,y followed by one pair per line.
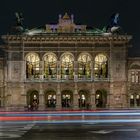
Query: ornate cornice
x,y
66,39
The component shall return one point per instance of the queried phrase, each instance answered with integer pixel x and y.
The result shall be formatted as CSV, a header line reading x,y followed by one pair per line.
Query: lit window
x,y
83,97
97,96
101,66
132,77
49,97
67,66
50,65
84,66
54,96
132,96
137,77
32,65
35,97
137,96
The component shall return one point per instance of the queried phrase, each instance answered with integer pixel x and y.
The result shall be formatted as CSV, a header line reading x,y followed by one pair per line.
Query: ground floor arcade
x,y
41,96
66,99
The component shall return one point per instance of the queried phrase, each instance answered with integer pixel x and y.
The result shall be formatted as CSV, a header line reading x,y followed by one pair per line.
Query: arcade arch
x,y
101,98
101,66
50,98
67,98
83,99
33,99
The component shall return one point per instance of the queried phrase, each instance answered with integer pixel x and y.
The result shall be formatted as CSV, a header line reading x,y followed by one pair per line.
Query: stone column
x,y
1,97
135,100
124,95
58,71
41,70
92,98
128,100
58,98
5,96
9,96
23,101
75,71
92,70
22,70
41,98
23,96
75,98
9,65
110,97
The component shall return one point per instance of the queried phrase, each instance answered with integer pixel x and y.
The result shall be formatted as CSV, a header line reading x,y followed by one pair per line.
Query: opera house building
x,y
68,66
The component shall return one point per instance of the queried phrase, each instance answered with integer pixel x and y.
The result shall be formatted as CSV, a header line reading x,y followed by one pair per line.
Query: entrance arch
x,y
135,100
83,98
33,99
66,98
50,98
101,98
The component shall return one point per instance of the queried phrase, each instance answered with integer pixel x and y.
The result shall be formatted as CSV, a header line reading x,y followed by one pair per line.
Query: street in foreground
x,y
74,125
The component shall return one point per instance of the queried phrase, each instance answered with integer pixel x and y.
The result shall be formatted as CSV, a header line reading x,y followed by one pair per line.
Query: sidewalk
x,y
18,109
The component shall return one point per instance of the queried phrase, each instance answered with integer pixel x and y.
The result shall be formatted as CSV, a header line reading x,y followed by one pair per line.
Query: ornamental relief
x,y
16,56
15,75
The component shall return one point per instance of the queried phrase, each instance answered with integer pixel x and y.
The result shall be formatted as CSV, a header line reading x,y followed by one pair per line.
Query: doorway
x,y
66,98
101,98
33,99
83,98
50,98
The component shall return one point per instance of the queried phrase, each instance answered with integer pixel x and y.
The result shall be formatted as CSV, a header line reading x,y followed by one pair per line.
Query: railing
x,y
67,78
101,79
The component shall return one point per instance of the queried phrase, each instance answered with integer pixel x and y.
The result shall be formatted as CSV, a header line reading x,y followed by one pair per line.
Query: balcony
x,y
66,78
101,79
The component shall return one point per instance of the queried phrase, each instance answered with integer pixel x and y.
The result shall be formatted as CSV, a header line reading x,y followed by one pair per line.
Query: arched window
x,y
50,65
138,100
32,99
101,98
66,98
134,100
134,72
83,98
67,66
50,98
84,66
32,65
101,66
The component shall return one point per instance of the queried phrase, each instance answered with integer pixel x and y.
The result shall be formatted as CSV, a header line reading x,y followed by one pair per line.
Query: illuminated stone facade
x,y
65,67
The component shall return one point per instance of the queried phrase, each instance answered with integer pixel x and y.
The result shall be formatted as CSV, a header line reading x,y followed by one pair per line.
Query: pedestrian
x,y
88,106
29,107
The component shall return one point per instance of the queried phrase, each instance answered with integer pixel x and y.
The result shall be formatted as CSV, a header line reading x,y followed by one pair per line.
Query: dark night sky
x,y
94,13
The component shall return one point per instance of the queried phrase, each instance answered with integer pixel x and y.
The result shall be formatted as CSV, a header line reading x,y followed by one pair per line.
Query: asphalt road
x,y
71,132
72,126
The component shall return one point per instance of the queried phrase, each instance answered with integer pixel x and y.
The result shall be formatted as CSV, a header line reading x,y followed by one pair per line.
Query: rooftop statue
x,y
66,25
19,22
113,25
112,28
19,19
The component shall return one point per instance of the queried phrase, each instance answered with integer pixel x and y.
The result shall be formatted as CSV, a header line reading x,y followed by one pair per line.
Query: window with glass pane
x,y
132,76
84,66
138,100
67,63
137,77
132,100
101,66
32,65
50,66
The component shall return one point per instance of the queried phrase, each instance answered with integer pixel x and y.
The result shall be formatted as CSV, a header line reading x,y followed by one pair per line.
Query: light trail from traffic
x,y
70,117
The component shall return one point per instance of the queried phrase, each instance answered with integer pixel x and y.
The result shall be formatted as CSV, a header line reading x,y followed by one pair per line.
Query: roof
x,y
66,16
